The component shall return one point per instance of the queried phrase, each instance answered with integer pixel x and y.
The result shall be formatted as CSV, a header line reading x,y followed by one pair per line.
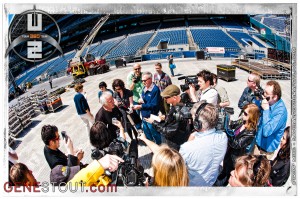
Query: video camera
x,y
224,119
191,79
183,112
259,92
116,147
129,172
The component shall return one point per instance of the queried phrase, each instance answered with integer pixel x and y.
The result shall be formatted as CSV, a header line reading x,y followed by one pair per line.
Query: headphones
x,y
197,123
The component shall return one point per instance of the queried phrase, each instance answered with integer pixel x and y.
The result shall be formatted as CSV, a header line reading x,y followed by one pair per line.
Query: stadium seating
x,y
130,45
144,28
173,36
213,38
243,38
278,23
105,46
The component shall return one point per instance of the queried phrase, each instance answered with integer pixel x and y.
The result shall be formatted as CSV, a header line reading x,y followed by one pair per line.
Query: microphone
x,y
182,77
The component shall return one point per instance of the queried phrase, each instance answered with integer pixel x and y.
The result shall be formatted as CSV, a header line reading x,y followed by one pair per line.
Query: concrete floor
x,y
29,146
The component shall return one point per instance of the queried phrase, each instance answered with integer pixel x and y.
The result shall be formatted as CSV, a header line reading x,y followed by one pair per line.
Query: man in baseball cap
x,y
63,174
92,174
175,131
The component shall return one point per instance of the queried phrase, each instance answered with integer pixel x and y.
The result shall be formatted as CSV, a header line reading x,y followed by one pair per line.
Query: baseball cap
x,y
170,91
62,173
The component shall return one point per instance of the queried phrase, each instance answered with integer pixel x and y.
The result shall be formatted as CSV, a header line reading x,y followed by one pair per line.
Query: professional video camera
x,y
191,79
224,119
116,147
183,112
129,173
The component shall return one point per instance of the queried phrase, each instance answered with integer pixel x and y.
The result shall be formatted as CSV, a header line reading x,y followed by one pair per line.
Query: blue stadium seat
x,y
174,37
244,37
213,38
130,45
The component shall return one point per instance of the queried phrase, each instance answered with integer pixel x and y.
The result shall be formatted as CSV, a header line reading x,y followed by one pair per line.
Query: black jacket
x,y
56,157
280,171
236,147
175,132
237,144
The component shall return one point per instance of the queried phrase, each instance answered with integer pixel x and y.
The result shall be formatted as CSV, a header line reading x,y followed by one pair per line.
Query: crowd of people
x,y
187,148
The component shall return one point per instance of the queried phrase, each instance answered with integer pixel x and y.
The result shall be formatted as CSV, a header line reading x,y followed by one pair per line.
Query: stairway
x,y
108,52
239,44
192,45
144,49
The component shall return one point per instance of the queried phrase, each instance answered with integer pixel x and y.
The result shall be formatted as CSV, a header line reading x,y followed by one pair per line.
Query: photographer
x,y
175,131
129,173
242,136
208,93
248,96
134,82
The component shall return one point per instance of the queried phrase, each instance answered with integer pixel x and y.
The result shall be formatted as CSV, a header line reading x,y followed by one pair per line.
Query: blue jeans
x,y
172,71
138,126
151,133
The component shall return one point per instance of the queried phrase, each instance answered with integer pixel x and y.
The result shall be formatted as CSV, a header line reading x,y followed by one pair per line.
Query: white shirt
x,y
210,95
203,155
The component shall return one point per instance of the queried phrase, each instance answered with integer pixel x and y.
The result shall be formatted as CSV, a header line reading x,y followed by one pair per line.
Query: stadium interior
x,y
251,43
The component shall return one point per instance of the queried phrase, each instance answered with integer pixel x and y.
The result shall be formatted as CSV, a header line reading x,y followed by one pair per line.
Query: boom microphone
x,y
182,77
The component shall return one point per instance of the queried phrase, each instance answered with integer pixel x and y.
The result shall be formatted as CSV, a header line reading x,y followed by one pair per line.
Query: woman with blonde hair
x,y
250,171
168,165
238,142
169,168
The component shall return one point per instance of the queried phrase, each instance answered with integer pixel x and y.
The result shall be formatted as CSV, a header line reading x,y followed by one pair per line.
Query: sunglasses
x,y
246,114
250,80
144,80
118,89
137,69
57,138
